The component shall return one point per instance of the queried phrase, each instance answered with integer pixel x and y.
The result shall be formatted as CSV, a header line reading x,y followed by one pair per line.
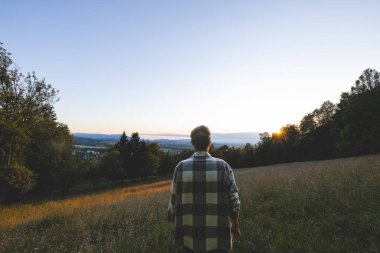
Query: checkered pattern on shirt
x,y
203,198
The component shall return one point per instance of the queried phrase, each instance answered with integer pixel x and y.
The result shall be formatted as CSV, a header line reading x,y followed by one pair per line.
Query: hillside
x,y
324,206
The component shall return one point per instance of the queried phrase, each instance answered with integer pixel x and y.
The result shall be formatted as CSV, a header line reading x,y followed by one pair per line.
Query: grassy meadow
x,y
324,206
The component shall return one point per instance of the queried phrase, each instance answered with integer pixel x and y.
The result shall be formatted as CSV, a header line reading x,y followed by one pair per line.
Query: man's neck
x,y
200,153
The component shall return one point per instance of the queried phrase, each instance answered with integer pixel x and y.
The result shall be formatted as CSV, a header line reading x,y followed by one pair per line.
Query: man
x,y
204,202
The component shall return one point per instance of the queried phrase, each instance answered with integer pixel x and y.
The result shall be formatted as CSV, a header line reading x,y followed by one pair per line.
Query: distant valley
x,y
230,139
88,144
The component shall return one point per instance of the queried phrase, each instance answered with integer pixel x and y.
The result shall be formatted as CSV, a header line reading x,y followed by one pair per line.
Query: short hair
x,y
200,137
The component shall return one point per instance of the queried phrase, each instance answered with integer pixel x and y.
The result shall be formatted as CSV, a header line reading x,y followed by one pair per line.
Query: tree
x,y
111,167
123,146
167,164
319,117
308,123
248,155
357,127
153,160
49,154
263,150
136,157
368,80
149,158
13,137
34,146
289,134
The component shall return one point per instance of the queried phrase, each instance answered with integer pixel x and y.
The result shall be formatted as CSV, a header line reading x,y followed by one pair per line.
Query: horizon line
x,y
168,134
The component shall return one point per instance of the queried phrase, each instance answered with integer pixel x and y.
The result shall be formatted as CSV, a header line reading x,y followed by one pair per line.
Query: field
x,y
325,206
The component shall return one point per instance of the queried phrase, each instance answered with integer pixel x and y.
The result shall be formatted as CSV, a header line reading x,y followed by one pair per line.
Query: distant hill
x,y
238,138
219,138
98,136
94,142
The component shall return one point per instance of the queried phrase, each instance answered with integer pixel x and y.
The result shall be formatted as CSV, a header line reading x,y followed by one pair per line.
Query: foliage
x,y
35,148
358,123
368,80
111,166
351,127
318,118
131,158
18,176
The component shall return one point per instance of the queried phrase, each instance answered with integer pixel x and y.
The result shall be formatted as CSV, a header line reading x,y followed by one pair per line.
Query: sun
x,y
277,134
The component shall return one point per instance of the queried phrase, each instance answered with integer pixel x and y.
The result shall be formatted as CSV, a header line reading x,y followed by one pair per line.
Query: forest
x,y
36,150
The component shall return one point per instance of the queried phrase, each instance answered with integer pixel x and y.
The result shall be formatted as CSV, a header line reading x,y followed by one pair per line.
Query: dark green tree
x,y
167,164
248,155
34,146
123,146
152,158
13,135
135,156
357,124
319,117
111,167
368,80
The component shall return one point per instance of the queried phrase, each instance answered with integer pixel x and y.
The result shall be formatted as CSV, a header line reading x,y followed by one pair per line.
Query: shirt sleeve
x,y
233,194
172,201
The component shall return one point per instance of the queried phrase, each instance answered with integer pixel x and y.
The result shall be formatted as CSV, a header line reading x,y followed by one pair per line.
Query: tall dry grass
x,y
123,220
326,206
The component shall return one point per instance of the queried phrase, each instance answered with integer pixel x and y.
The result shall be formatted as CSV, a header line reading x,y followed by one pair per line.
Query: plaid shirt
x,y
203,198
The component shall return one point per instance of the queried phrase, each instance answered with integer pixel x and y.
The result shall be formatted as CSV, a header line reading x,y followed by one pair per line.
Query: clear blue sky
x,y
168,66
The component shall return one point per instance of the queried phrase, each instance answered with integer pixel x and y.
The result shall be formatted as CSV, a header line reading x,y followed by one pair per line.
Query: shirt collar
x,y
201,153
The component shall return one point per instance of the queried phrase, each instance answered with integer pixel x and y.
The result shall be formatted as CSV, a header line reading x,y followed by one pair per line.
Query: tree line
x,y
36,150
349,128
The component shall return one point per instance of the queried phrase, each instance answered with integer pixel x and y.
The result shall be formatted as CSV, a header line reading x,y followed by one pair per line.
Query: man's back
x,y
204,198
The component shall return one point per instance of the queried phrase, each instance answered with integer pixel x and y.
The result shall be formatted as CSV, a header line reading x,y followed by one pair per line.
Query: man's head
x,y
201,138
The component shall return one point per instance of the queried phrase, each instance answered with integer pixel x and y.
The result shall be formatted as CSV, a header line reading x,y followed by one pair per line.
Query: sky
x,y
165,67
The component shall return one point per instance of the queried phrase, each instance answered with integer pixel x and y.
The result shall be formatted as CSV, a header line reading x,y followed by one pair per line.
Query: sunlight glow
x,y
278,133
